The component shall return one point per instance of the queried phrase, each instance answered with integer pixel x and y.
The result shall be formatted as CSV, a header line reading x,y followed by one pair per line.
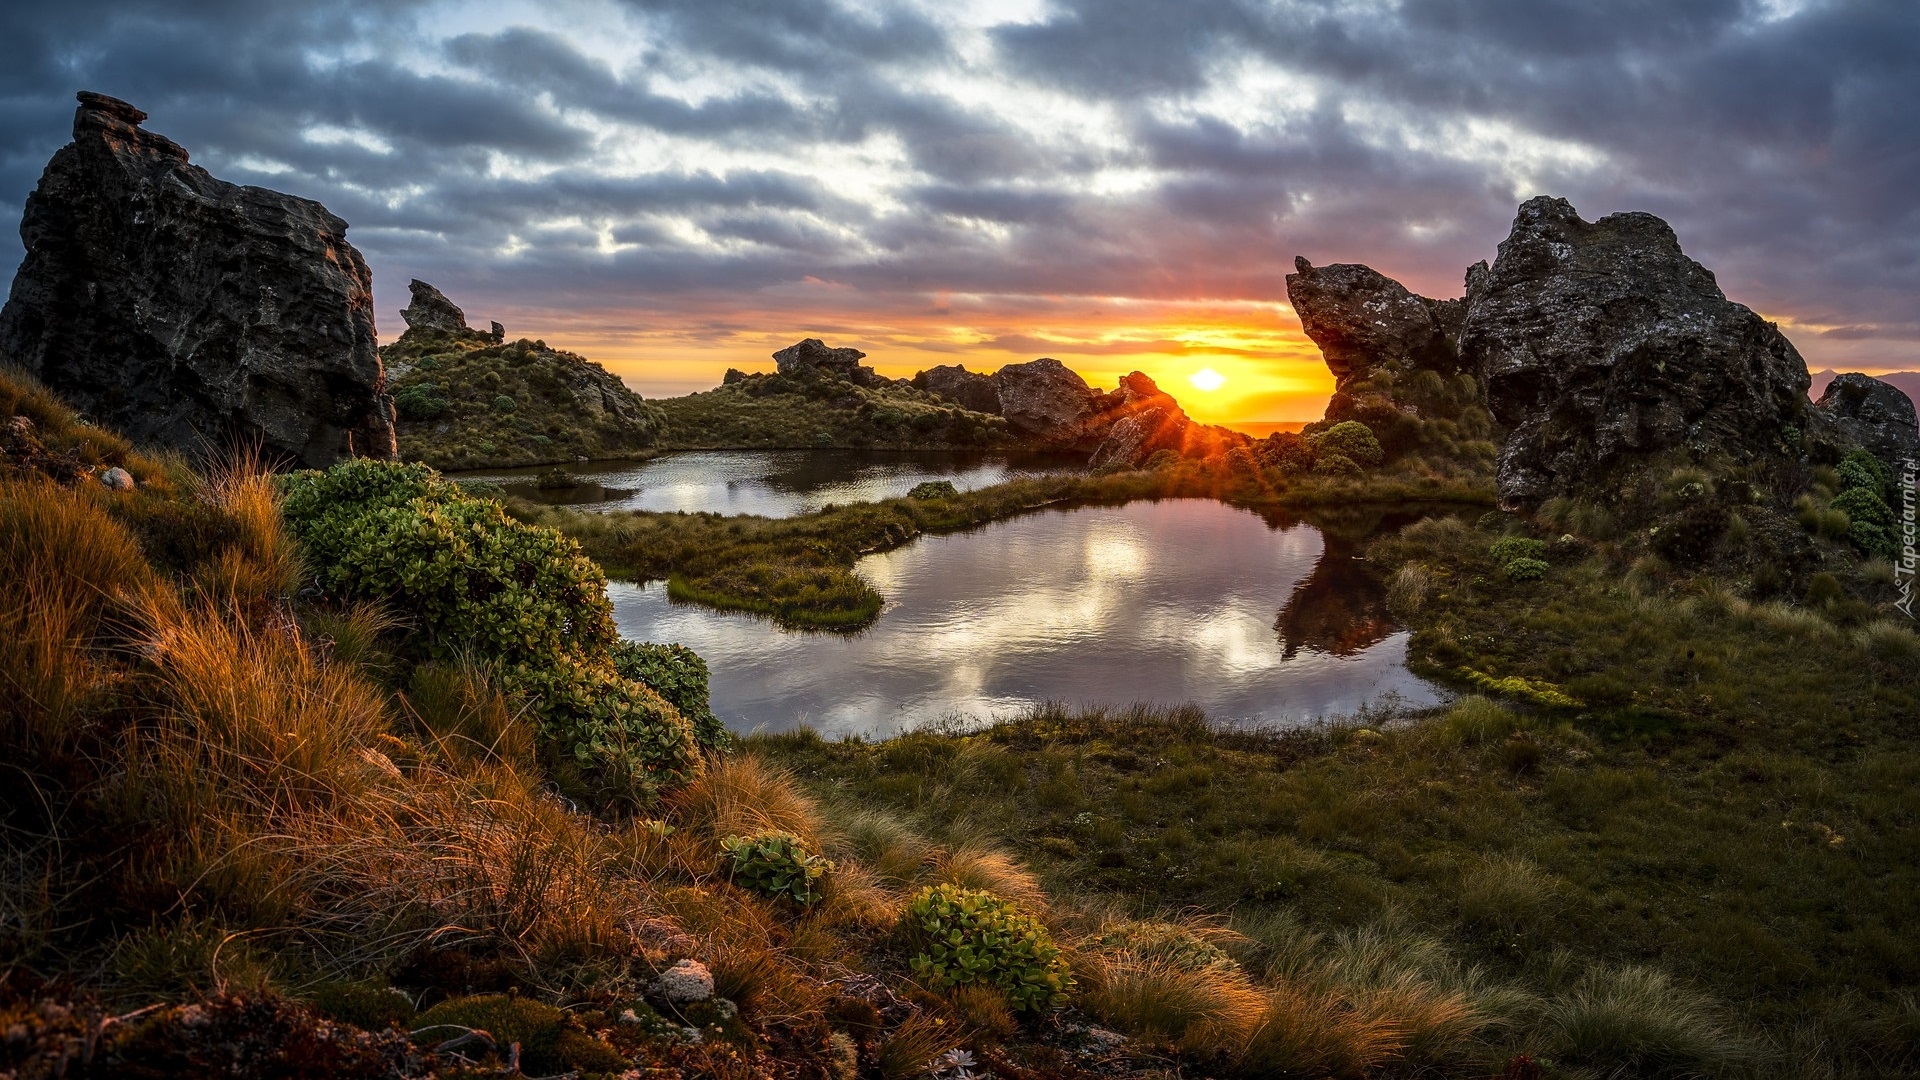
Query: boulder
x,y
967,389
432,313
1046,398
1602,346
813,354
1362,319
1861,411
186,311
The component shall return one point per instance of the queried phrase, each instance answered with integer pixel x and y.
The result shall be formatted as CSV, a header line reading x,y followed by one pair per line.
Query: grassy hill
x,y
467,401
813,408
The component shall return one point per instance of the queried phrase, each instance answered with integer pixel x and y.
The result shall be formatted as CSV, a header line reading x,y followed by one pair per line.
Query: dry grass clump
x,y
1196,1010
978,866
740,794
1635,1021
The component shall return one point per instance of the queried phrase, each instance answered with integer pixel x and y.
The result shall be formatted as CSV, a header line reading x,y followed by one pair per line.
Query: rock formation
x,y
964,388
813,354
1856,410
186,311
449,380
1362,319
1601,346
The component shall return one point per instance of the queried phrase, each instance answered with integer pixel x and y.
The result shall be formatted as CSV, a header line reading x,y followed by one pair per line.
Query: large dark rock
x,y
967,389
1362,319
1602,346
186,311
813,354
1861,411
1046,398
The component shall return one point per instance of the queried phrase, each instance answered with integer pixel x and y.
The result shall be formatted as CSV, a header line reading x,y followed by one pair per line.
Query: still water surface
x,y
1169,602
772,483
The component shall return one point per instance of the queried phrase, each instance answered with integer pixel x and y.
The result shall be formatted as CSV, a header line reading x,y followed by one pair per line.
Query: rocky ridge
x,y
469,398
1601,352
189,312
1056,408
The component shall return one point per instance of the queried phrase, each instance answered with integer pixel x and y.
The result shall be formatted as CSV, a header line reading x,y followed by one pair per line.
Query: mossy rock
x,y
365,1004
547,1043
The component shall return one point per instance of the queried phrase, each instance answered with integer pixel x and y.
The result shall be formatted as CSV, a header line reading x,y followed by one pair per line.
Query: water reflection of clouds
x,y
1164,602
771,483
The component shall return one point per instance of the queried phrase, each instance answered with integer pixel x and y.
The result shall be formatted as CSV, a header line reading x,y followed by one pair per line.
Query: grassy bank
x,y
813,409
799,571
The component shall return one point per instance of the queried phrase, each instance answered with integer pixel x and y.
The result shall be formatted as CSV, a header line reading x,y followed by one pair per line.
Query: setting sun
x,y
1207,379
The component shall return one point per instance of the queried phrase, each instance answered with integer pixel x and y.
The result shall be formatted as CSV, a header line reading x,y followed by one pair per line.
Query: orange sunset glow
x,y
1269,372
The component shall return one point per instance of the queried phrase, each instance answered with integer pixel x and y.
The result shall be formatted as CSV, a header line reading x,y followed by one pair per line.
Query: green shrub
x,y
468,577
934,489
421,401
1869,520
1338,465
504,403
676,673
968,937
1524,569
1508,548
519,598
775,864
1160,459
1352,439
1861,471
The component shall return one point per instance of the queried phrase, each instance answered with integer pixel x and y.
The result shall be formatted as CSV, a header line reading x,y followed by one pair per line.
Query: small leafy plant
x,y
1352,439
933,489
1524,569
1508,548
970,937
775,864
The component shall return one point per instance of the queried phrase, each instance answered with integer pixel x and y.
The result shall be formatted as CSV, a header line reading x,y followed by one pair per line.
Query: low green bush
x,y
548,1044
1508,548
934,489
1524,569
472,582
1338,465
969,937
775,864
676,673
1861,471
421,401
1352,439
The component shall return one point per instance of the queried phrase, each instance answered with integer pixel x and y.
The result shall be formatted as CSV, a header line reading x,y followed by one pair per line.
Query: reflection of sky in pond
x,y
1167,602
772,483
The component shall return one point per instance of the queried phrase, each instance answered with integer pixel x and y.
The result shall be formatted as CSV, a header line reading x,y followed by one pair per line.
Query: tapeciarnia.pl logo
x,y
1903,572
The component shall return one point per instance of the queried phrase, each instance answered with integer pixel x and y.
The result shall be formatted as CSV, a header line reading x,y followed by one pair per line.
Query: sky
x,y
676,187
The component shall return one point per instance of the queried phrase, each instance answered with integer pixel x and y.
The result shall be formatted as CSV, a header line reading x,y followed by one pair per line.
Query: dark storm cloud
x,y
1785,150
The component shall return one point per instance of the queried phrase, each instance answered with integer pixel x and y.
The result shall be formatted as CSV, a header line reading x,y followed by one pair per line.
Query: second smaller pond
x,y
771,483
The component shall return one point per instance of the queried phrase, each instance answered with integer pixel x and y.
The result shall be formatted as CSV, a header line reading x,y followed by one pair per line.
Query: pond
x,y
771,483
1260,622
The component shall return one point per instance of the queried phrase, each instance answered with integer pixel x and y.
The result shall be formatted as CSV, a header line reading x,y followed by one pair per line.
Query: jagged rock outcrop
x,y
1362,319
1858,410
1601,345
186,311
1051,404
967,389
813,354
1380,341
469,399
1046,398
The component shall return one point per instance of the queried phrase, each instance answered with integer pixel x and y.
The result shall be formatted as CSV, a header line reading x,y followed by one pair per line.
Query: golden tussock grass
x,y
740,794
977,866
1192,1009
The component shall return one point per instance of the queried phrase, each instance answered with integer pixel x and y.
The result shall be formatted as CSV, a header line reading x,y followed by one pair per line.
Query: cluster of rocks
x,y
1599,347
186,311
1054,406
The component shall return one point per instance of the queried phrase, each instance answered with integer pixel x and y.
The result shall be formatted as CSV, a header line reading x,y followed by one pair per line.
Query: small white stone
x,y
688,980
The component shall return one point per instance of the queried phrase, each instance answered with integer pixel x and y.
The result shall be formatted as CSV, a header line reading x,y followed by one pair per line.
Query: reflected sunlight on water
x,y
1167,602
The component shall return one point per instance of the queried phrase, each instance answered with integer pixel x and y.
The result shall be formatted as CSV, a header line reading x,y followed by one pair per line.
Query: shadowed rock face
x,y
814,353
1362,319
1872,414
186,311
967,389
1601,344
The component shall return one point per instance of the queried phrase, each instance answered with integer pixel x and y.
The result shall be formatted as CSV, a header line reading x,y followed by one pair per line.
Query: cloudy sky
x,y
678,186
